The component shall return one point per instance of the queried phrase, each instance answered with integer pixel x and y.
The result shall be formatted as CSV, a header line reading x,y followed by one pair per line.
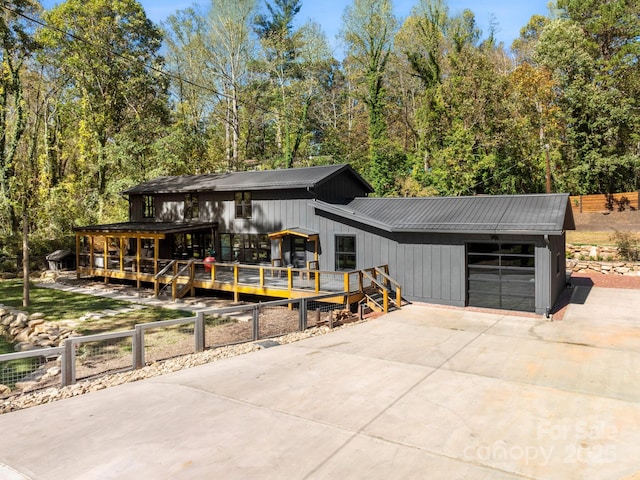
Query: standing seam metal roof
x,y
309,177
524,214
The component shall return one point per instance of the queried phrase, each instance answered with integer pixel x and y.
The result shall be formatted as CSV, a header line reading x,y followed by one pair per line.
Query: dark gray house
x,y
490,251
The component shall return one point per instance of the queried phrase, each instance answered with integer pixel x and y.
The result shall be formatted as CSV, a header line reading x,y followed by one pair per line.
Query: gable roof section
x,y
513,214
296,178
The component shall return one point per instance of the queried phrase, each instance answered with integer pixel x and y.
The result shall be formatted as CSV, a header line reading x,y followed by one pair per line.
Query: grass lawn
x,y
590,238
59,305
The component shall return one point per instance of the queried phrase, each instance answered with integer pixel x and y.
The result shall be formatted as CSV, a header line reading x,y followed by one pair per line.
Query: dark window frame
x,y
251,248
148,206
242,202
191,206
345,259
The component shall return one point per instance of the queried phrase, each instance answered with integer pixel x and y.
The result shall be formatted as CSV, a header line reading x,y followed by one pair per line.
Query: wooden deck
x,y
263,280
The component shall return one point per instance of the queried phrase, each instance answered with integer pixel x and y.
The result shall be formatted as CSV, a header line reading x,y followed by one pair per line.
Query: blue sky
x,y
511,15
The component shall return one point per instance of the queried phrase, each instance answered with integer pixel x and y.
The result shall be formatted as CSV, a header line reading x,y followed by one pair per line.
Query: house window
x,y
191,209
243,204
345,252
148,209
245,248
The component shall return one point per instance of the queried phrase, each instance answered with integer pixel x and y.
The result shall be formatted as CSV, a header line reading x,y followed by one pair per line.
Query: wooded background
x,y
95,98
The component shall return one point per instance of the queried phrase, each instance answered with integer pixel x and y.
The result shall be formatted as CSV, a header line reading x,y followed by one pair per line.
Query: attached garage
x,y
501,275
505,252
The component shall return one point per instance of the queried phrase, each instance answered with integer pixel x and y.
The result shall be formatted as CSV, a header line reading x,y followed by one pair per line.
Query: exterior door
x,y
299,252
501,275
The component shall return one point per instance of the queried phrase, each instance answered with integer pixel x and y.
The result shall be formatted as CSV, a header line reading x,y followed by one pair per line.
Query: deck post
x,y
105,259
398,296
192,275
317,280
289,280
385,300
138,248
262,277
122,254
346,287
77,256
236,276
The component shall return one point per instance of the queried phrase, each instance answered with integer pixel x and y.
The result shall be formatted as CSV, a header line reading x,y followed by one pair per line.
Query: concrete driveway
x,y
425,392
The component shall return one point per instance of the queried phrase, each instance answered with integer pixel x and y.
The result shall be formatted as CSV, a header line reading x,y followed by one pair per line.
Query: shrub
x,y
628,245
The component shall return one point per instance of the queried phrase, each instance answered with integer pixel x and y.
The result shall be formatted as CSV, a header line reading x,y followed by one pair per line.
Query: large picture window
x,y
243,204
191,207
345,252
245,248
148,208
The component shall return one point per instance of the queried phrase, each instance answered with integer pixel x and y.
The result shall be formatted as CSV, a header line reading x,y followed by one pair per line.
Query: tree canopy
x,y
95,98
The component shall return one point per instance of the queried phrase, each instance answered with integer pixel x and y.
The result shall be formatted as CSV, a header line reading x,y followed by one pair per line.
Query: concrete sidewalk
x,y
134,296
425,392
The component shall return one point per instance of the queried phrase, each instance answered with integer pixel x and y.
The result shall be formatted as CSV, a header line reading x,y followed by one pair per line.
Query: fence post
x,y
302,315
137,344
69,363
256,319
198,332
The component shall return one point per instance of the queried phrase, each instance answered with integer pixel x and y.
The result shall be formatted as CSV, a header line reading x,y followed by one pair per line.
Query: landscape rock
x,y
33,322
603,259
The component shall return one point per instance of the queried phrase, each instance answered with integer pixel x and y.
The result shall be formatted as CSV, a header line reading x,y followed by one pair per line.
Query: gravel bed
x,y
52,394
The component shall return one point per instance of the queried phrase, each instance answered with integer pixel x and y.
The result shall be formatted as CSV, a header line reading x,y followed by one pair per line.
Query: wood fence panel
x,y
614,202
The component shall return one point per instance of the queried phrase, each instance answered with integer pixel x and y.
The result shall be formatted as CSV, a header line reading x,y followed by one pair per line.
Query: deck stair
x,y
383,294
181,282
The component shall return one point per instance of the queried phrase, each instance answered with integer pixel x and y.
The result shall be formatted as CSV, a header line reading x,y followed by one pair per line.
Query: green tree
x,y
280,43
16,48
230,47
185,142
107,50
368,30
593,51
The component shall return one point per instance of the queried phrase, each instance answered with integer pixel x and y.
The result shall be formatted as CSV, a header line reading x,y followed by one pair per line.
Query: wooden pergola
x,y
104,251
309,235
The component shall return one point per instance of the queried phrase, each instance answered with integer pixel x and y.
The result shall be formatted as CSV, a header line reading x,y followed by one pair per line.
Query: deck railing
x,y
237,277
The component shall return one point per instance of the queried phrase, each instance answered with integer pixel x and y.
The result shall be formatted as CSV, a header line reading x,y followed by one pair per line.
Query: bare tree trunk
x,y
25,259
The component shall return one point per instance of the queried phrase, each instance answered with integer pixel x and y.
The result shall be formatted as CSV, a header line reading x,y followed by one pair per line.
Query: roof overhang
x,y
153,229
296,232
501,227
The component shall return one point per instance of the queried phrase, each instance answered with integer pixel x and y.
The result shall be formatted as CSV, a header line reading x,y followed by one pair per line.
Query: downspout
x,y
547,243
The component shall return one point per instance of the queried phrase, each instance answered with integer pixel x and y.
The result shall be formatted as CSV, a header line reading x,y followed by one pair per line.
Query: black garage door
x,y
501,275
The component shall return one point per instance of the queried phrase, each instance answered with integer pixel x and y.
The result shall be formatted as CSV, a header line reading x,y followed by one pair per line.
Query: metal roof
x,y
296,231
309,177
146,227
516,214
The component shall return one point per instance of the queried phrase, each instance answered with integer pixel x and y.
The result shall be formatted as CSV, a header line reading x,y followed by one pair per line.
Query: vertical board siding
x,y
415,264
427,267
